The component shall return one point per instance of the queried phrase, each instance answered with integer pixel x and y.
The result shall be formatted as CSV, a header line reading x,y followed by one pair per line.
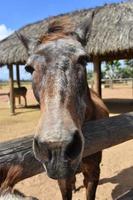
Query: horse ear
x,y
84,28
26,42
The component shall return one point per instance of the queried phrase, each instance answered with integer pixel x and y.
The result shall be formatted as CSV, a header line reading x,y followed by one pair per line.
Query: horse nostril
x,y
41,150
74,148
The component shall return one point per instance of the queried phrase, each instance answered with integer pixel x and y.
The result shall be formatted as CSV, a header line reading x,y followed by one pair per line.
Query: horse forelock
x,y
59,28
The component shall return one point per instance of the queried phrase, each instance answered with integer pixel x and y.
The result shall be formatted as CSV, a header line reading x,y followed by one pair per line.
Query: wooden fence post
x,y
11,83
18,81
97,75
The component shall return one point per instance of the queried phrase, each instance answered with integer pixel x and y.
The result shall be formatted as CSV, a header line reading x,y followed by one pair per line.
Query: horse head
x,y
57,62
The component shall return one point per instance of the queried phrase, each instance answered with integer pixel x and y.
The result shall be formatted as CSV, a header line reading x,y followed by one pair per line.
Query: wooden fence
x,y
99,135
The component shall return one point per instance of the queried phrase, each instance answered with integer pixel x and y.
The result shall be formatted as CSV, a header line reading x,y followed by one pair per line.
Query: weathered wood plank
x,y
106,133
98,135
19,151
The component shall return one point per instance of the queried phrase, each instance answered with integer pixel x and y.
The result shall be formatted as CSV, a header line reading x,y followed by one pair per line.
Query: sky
x,y
16,13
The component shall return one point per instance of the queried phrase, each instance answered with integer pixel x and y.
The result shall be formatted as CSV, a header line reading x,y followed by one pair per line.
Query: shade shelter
x,y
111,38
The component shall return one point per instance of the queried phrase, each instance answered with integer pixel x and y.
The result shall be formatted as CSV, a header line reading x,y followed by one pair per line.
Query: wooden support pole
x,y
18,81
97,75
99,135
11,84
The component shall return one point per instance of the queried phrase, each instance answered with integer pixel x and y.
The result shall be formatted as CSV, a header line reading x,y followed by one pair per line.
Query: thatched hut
x,y
111,38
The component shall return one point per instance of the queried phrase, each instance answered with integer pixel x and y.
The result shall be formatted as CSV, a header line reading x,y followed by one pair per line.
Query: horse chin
x,y
60,174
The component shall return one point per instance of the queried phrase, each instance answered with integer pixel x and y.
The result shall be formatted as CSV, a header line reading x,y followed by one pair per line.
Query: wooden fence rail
x,y
99,135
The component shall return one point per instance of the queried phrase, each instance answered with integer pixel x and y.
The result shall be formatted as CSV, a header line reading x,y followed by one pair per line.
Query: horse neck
x,y
90,107
96,109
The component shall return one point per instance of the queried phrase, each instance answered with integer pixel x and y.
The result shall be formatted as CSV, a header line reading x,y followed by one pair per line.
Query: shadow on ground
x,y
124,181
29,108
116,106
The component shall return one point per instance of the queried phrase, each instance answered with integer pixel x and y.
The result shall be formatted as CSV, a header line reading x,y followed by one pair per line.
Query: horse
x,y
57,61
8,178
18,92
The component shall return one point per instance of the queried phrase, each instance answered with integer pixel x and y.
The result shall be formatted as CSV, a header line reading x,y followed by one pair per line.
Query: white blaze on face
x,y
56,123
56,126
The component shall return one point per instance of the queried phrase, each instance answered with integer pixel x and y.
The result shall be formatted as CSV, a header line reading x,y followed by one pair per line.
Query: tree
x,y
127,71
112,71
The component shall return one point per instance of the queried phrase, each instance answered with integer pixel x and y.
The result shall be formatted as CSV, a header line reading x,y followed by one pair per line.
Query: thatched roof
x,y
111,35
112,32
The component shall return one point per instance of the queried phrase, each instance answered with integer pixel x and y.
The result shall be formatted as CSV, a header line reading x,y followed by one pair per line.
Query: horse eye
x,y
83,59
29,68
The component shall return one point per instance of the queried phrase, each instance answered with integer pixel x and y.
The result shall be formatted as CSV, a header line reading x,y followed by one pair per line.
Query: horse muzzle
x,y
60,170
60,160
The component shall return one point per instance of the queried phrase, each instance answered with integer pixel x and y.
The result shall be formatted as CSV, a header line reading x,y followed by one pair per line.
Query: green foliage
x,y
89,74
127,71
113,69
129,63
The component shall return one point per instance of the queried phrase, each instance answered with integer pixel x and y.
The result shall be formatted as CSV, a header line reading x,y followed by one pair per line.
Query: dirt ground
x,y
117,163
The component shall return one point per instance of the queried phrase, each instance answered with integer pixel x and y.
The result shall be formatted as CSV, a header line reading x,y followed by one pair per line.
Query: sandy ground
x,y
117,163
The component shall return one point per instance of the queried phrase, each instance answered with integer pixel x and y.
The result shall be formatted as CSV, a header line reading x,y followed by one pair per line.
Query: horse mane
x,y
59,28
9,177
